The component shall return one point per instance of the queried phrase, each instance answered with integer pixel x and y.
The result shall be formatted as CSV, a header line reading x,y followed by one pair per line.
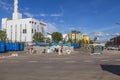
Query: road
x,y
78,66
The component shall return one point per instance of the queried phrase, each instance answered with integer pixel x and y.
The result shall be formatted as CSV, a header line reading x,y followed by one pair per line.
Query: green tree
x,y
109,43
70,41
56,36
38,37
48,40
91,42
3,35
95,39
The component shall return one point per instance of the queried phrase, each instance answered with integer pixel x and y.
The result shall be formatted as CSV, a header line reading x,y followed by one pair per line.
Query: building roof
x,y
75,31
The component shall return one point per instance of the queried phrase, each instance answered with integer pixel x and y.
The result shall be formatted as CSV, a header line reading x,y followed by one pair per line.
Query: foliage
x,y
91,42
70,41
48,40
56,36
3,35
109,43
95,39
38,37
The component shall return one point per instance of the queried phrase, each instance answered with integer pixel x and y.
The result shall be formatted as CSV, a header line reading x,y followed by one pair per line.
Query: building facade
x,y
86,39
20,29
115,41
75,36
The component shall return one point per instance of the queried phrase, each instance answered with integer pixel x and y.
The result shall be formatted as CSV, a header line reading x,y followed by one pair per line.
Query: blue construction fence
x,y
6,46
75,45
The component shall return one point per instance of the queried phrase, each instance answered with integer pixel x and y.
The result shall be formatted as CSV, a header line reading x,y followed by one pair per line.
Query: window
x,y
32,30
42,29
24,31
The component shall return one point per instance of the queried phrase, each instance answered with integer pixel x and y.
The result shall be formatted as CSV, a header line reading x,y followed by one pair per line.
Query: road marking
x,y
5,57
104,60
88,60
117,59
14,61
60,58
48,67
70,61
32,61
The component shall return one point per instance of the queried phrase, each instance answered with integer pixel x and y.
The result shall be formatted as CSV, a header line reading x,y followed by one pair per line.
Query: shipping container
x,y
12,47
76,46
21,47
2,47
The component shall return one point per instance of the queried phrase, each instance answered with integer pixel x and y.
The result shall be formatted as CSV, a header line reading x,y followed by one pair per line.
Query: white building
x,y
20,29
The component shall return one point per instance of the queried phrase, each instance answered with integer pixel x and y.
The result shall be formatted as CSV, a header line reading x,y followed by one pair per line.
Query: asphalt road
x,y
78,66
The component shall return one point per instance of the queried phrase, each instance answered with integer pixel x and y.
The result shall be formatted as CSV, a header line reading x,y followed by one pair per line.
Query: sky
x,y
91,17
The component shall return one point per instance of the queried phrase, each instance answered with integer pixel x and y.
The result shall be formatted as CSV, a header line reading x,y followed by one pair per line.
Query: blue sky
x,y
92,17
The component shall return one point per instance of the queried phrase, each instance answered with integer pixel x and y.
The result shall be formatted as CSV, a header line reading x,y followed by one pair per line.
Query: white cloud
x,y
61,21
115,34
71,28
29,14
105,29
77,28
51,27
43,15
26,8
56,15
6,6
102,34
99,34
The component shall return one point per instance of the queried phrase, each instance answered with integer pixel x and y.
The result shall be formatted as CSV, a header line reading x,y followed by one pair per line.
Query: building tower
x,y
16,14
15,6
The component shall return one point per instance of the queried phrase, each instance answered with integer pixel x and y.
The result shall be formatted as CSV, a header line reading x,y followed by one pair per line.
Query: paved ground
x,y
78,66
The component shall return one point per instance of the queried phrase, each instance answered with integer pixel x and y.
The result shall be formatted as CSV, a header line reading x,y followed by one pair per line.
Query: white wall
x,y
14,29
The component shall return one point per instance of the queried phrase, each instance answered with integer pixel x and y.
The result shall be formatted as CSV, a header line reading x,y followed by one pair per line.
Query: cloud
x,y
108,28
99,34
56,15
104,29
102,34
29,14
77,28
26,8
51,27
6,6
115,34
61,21
43,15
